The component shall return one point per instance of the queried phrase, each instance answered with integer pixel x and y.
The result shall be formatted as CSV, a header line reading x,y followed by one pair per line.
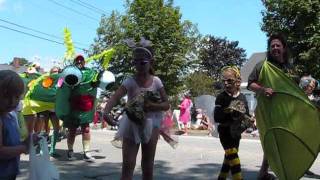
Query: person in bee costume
x,y
230,108
76,99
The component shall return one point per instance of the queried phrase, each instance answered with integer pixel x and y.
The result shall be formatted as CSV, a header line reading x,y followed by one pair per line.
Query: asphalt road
x,y
195,158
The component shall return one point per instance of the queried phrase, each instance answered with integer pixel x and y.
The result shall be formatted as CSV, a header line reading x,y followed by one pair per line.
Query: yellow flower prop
x,y
70,52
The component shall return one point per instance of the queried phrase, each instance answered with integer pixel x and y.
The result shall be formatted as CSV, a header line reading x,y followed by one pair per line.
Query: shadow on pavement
x,y
99,170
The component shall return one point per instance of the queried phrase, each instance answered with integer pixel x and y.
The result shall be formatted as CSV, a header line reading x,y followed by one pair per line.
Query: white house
x,y
245,72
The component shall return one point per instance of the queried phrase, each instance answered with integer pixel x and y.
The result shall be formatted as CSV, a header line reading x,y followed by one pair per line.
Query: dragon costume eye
x,y
47,82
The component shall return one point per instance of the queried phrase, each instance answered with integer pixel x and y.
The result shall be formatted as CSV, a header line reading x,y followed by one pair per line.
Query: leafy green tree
x,y
215,53
173,40
299,21
199,83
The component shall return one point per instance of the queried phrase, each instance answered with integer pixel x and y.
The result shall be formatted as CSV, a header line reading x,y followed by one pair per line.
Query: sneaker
x,y
88,157
70,155
117,143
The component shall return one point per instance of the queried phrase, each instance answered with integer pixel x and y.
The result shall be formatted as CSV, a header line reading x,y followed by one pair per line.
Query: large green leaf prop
x,y
288,124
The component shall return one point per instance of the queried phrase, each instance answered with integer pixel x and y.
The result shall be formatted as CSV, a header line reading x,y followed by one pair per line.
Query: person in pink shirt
x,y
185,116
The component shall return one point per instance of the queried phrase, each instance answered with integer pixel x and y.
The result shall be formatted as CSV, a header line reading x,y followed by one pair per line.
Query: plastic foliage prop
x,y
70,52
288,124
103,58
134,108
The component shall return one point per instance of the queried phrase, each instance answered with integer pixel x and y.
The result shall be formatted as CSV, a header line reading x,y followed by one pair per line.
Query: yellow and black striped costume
x,y
230,144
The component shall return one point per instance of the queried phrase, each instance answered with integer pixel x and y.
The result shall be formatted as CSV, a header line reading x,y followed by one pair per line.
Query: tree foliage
x,y
215,53
299,21
199,83
173,40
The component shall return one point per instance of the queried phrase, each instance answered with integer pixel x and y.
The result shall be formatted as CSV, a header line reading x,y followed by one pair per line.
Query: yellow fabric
x,y
237,176
31,107
234,162
223,175
231,151
86,145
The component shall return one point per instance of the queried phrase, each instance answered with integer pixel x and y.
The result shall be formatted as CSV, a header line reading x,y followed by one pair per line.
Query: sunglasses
x,y
141,61
228,81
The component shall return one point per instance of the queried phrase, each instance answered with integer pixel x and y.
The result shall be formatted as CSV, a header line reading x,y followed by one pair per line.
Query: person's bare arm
x,y
260,89
120,92
9,152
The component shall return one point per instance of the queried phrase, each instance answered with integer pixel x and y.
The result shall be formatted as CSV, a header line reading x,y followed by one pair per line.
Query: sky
x,y
236,20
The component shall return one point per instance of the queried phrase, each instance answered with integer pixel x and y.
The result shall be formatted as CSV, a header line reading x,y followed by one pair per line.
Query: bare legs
x,y
130,150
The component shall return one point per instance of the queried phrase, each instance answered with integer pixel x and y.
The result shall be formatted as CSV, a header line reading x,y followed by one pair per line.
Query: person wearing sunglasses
x,y
228,119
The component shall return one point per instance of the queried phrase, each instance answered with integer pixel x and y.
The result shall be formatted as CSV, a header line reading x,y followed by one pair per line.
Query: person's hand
x,y
148,106
26,142
109,119
267,92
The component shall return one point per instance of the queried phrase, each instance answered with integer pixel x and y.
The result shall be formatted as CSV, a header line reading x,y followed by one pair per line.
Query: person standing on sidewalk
x,y
185,114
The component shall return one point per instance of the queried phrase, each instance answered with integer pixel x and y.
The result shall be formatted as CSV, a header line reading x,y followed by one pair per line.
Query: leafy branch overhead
x,y
156,20
300,22
215,53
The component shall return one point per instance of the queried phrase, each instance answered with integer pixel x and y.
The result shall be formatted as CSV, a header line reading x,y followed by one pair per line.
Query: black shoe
x,y
70,155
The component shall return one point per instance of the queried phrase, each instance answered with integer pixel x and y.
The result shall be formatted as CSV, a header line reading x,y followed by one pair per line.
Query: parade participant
x,y
230,142
28,78
277,122
75,105
11,90
142,127
39,102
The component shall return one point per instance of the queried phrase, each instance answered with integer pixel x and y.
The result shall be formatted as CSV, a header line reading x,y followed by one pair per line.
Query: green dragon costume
x,y
41,94
75,103
288,123
41,97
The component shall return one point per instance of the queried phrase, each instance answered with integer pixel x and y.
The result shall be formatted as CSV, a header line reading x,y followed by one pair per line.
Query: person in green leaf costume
x,y
75,103
28,78
40,101
286,133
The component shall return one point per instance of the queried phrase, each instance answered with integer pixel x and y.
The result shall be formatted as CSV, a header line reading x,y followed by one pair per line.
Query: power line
x,y
89,5
39,37
34,30
73,10
74,20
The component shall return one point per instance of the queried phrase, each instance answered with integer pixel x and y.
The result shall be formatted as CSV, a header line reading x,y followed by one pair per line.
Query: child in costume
x,y
11,90
229,120
28,78
141,123
40,101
